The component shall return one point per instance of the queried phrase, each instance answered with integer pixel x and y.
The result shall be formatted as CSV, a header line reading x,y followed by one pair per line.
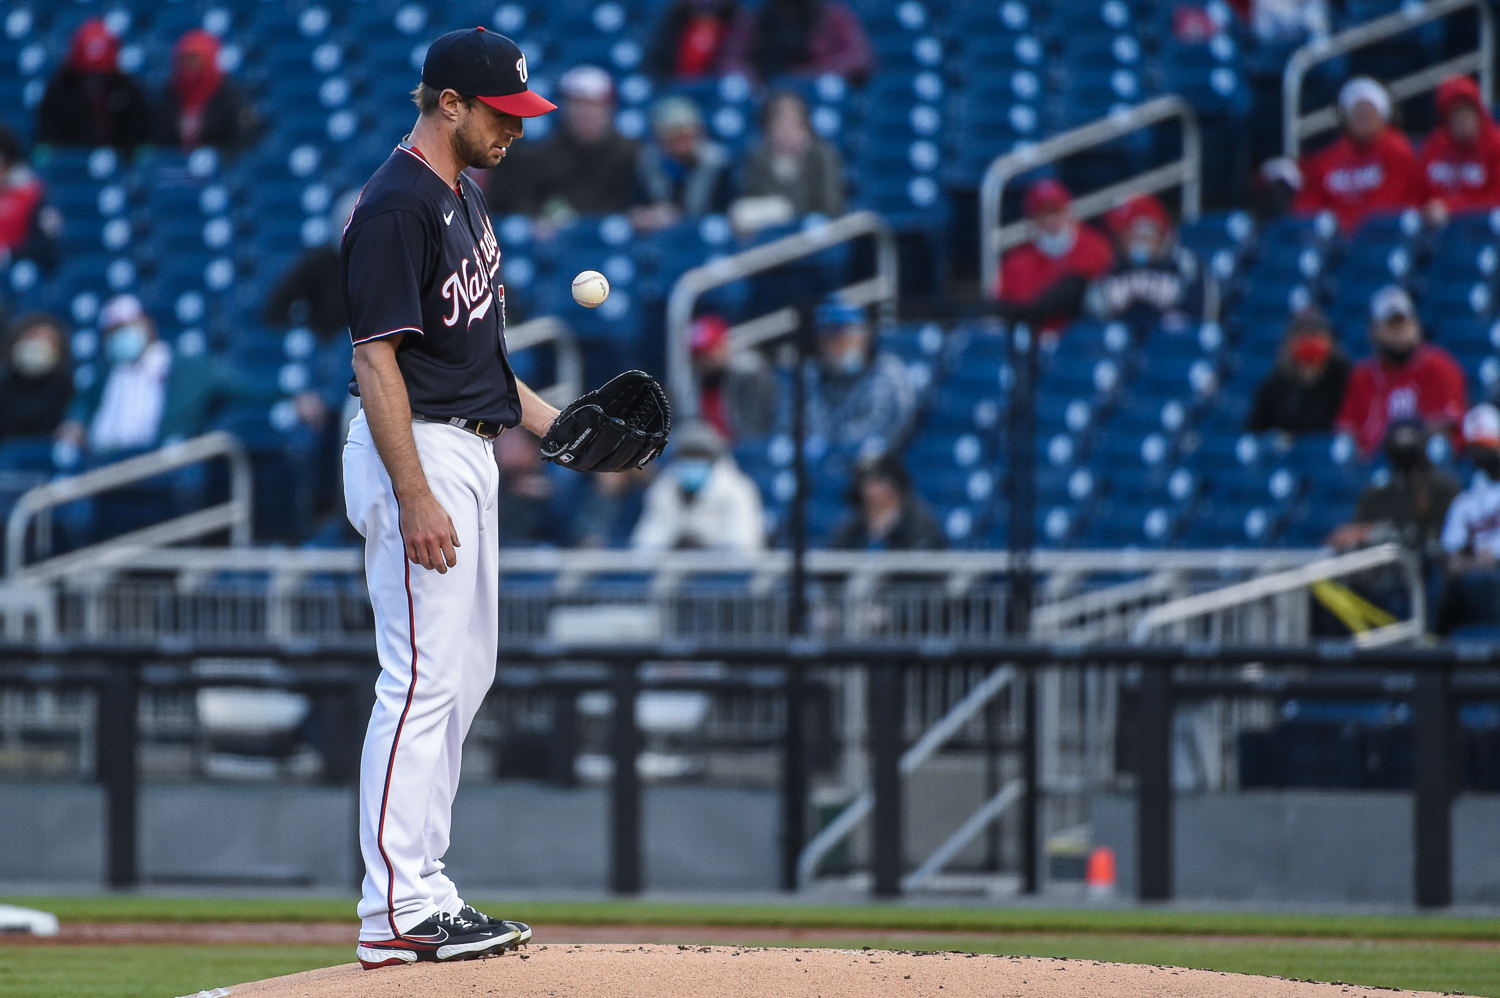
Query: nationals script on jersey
x,y
421,260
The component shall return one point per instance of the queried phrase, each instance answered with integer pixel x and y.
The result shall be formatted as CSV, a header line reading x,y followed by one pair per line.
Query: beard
x,y
473,149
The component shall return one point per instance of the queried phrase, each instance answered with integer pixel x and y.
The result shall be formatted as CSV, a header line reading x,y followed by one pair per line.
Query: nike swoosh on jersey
x,y
448,218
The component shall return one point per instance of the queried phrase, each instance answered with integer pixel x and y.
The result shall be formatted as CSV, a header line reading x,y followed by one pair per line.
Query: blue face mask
x,y
1140,253
692,473
126,344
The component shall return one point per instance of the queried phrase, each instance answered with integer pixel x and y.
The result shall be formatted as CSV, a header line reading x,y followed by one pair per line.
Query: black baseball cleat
x,y
441,937
469,913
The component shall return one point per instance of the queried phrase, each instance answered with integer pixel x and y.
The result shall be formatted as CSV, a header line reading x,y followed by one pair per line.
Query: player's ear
x,y
450,103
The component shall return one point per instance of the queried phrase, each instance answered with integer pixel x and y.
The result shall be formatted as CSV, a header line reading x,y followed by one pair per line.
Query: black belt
x,y
487,428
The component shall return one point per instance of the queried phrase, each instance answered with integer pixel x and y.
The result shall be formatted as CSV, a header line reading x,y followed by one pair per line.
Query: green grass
x,y
150,971
1425,952
1169,922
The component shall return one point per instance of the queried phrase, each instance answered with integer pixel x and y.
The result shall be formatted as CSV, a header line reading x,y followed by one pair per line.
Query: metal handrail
x,y
1294,579
935,738
550,329
880,289
1297,126
584,562
234,514
1186,172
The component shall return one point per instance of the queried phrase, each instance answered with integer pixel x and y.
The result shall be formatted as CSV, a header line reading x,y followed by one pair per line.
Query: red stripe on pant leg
x,y
411,612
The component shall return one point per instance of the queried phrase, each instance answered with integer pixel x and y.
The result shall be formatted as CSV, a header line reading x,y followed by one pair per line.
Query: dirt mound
x,y
656,971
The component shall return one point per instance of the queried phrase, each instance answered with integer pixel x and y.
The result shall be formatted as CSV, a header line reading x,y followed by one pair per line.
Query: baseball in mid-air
x,y
590,289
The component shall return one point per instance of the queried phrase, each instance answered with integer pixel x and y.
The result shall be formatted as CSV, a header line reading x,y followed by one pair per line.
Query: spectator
x,y
1155,282
790,171
1289,22
29,226
1370,168
1460,160
690,43
1471,532
887,517
682,173
1405,379
525,491
88,101
1043,281
701,499
737,391
38,380
858,398
199,106
610,509
1302,394
584,167
149,394
801,38
310,292
1410,507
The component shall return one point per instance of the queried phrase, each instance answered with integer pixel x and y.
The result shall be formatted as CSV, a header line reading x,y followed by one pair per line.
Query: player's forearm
x,y
536,414
387,408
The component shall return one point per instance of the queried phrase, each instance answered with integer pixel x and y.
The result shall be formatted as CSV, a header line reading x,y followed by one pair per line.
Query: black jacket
x,y
916,530
66,115
34,407
229,121
592,180
310,293
1285,402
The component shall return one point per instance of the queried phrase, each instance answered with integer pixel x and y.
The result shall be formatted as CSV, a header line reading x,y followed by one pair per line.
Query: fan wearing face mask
x,y
1405,379
1155,281
1471,532
700,499
1409,506
148,394
38,380
1303,391
858,397
1043,281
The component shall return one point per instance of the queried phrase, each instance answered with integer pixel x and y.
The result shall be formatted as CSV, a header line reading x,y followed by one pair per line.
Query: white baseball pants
x,y
436,635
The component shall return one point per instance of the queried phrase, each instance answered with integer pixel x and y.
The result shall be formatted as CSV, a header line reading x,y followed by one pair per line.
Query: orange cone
x,y
1100,875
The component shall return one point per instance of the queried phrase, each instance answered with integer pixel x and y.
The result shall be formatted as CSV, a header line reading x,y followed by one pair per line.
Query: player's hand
x,y
428,531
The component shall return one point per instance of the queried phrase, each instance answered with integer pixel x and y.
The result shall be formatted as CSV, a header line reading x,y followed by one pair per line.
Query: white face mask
x,y
33,357
127,343
1056,244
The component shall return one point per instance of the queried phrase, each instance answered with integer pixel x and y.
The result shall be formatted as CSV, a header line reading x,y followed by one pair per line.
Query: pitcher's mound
x,y
619,971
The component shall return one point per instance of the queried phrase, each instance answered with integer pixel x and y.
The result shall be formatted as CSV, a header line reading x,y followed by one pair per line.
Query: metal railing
x,y
860,808
1297,126
233,515
1432,679
1186,172
1241,612
880,289
550,329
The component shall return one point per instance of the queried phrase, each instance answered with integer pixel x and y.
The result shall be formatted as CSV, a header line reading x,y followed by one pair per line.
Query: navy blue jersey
x,y
421,260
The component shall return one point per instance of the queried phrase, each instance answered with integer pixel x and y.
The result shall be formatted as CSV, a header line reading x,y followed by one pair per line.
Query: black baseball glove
x,y
621,426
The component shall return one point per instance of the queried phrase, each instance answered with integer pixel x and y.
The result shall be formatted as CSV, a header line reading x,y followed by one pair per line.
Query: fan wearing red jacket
x,y
1370,168
1406,379
1043,281
1461,158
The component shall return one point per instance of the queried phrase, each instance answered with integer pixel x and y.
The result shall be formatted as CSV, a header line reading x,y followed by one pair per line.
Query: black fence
x,y
340,679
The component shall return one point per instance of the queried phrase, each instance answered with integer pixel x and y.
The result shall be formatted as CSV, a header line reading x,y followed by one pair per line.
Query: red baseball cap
x,y
485,65
1046,195
707,333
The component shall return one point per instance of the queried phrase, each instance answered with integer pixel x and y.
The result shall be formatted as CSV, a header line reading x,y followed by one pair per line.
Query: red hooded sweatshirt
x,y
1464,175
195,79
1353,181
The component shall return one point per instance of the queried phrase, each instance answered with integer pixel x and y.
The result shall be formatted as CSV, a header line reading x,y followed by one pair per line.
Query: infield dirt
x,y
666,971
